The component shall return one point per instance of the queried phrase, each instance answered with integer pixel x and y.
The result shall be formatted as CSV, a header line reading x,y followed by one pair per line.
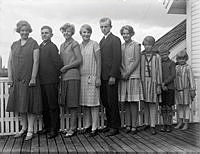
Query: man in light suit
x,y
110,47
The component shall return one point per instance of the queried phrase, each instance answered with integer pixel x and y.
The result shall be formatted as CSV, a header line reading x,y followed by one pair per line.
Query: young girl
x,y
185,89
90,80
130,87
70,86
151,75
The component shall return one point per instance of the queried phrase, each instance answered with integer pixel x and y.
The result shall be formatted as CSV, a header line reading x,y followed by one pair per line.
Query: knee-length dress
x,y
70,85
22,97
90,94
131,89
151,75
184,83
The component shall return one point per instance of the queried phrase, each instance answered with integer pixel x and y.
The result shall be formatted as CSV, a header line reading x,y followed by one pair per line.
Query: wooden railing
x,y
10,122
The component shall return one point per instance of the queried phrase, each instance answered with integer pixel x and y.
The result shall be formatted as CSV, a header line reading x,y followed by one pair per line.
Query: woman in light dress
x,y
90,80
130,86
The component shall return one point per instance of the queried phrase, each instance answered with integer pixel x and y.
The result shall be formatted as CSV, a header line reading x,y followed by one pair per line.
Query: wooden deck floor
x,y
175,142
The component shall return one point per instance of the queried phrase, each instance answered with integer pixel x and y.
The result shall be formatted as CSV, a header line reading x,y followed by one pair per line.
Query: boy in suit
x,y
50,64
110,47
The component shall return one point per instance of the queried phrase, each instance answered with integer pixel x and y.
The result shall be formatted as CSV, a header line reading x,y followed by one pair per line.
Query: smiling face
x,y
67,33
105,27
24,32
46,34
126,35
85,34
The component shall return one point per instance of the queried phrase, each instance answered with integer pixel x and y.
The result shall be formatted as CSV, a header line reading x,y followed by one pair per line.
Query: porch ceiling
x,y
175,6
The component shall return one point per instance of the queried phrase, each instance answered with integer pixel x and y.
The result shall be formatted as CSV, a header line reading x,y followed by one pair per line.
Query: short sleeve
x,y
35,45
96,47
74,44
61,47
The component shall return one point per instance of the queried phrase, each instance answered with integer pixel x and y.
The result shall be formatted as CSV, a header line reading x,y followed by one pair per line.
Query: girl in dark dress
x,y
25,95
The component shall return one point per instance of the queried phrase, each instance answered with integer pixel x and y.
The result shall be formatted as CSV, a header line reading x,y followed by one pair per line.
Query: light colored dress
x,y
184,83
130,90
151,75
90,95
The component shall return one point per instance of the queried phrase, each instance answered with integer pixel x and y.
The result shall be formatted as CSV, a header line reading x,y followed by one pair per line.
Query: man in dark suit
x,y
49,66
110,47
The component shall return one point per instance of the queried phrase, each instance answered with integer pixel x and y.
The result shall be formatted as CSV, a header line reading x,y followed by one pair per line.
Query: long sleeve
x,y
172,74
191,79
117,57
159,71
55,57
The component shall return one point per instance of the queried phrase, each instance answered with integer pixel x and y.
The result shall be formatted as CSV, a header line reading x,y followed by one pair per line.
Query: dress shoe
x,y
145,127
86,130
134,131
127,129
104,130
70,133
21,133
163,128
93,133
52,134
168,128
112,132
29,136
43,131
153,130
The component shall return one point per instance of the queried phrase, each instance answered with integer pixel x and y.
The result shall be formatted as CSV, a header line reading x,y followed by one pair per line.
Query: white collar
x,y
107,35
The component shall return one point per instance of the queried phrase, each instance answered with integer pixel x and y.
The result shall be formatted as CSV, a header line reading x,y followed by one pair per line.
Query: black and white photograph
x,y
100,76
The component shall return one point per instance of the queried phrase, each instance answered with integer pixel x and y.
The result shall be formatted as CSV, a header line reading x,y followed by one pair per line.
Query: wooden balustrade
x,y
10,122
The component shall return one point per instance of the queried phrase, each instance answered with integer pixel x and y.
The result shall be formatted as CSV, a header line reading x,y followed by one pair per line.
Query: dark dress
x,y
22,98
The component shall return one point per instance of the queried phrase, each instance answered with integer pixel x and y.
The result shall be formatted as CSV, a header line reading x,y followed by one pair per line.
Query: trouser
x,y
51,112
109,98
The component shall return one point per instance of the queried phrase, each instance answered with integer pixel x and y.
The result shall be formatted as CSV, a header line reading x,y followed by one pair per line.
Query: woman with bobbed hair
x,y
90,80
25,94
70,85
130,86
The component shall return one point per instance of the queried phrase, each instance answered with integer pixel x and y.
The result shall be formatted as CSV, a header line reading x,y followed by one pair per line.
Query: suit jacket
x,y
111,56
50,63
